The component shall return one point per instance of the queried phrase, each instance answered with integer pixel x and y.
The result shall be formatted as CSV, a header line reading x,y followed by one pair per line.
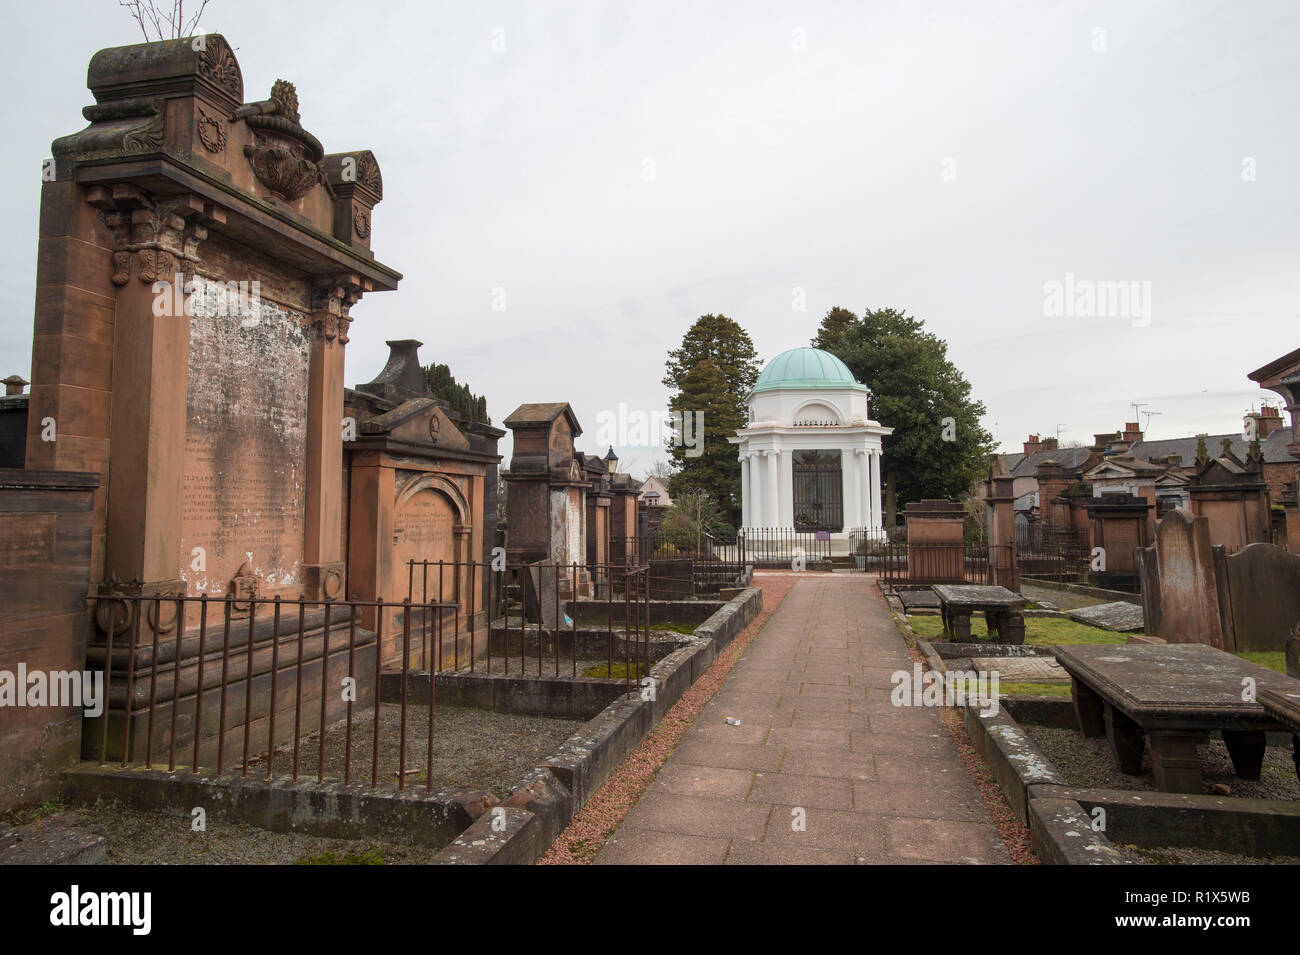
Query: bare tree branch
x,y
160,24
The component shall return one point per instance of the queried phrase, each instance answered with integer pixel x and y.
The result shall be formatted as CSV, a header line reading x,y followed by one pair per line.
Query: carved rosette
x,y
368,174
211,132
217,65
361,222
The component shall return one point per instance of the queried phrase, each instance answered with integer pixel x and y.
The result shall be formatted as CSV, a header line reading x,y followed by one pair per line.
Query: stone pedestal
x,y
936,549
546,493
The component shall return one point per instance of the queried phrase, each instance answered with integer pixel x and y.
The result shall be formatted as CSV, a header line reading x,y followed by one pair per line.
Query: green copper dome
x,y
805,368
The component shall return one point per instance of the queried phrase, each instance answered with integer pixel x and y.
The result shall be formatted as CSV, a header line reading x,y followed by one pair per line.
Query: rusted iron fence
x,y
695,566
543,619
903,564
1054,553
250,683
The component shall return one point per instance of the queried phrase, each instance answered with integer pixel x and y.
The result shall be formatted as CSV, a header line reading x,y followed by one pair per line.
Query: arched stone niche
x,y
431,522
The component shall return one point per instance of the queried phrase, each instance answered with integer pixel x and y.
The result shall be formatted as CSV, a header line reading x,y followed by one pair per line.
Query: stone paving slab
x,y
1022,669
822,768
1118,616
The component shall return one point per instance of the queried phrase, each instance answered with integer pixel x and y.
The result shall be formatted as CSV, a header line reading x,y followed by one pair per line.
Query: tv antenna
x,y
1149,415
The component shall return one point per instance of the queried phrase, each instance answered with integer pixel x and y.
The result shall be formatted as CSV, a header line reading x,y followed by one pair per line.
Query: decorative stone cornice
x,y
160,233
331,303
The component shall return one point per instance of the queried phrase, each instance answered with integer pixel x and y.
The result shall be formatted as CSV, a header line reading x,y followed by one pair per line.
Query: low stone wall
x,y
539,808
595,613
593,643
1060,816
518,830
561,697
1253,827
282,805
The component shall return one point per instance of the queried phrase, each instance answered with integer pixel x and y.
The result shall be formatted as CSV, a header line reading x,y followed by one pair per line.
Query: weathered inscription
x,y
244,490
26,540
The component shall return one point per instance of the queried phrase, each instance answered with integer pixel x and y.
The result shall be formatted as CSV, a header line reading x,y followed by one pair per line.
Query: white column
x,y
848,481
861,474
772,495
785,512
876,516
744,488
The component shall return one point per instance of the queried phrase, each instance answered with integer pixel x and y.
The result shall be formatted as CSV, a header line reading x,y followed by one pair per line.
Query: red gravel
x,y
608,807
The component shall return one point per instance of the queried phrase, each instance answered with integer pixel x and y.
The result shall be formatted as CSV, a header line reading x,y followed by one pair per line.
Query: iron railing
x,y
937,563
532,626
260,648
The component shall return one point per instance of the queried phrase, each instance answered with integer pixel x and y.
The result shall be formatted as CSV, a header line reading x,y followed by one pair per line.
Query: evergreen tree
x,y
938,448
472,408
710,374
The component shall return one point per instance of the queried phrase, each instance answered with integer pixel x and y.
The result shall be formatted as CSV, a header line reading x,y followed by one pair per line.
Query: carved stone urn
x,y
285,158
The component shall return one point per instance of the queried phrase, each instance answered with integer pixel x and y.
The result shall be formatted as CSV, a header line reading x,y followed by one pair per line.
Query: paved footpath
x,y
876,783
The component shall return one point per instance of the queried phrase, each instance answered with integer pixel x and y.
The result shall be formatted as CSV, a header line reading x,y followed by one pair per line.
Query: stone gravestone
x,y
540,603
1180,590
1264,596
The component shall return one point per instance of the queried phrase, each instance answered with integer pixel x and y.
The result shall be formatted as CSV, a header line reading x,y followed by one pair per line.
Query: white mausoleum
x,y
810,455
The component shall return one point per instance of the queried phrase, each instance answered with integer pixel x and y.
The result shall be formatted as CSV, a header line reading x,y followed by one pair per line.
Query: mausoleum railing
x,y
544,619
253,683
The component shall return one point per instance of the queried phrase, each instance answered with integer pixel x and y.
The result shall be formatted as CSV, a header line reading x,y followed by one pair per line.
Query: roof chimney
x,y
15,384
1265,421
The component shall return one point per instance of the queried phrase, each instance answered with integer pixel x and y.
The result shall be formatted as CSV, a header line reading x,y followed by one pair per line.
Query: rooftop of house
x,y
1273,447
1028,464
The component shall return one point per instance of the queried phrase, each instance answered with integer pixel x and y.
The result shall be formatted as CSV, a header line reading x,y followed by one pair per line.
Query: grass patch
x,y
1273,659
684,628
1034,689
1039,631
331,857
619,671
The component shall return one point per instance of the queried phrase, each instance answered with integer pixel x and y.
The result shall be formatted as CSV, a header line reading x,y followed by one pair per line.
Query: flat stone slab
x,y
1118,616
1188,680
55,840
1283,705
978,597
1023,669
919,598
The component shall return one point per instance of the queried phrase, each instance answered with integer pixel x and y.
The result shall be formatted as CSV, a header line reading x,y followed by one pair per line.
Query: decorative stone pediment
x,y
419,421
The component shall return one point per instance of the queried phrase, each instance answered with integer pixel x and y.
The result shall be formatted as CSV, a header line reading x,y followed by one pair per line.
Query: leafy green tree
x,y
710,375
693,516
938,448
471,407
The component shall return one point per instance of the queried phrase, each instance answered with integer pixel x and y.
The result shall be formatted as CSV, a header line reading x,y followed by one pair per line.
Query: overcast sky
x,y
617,169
